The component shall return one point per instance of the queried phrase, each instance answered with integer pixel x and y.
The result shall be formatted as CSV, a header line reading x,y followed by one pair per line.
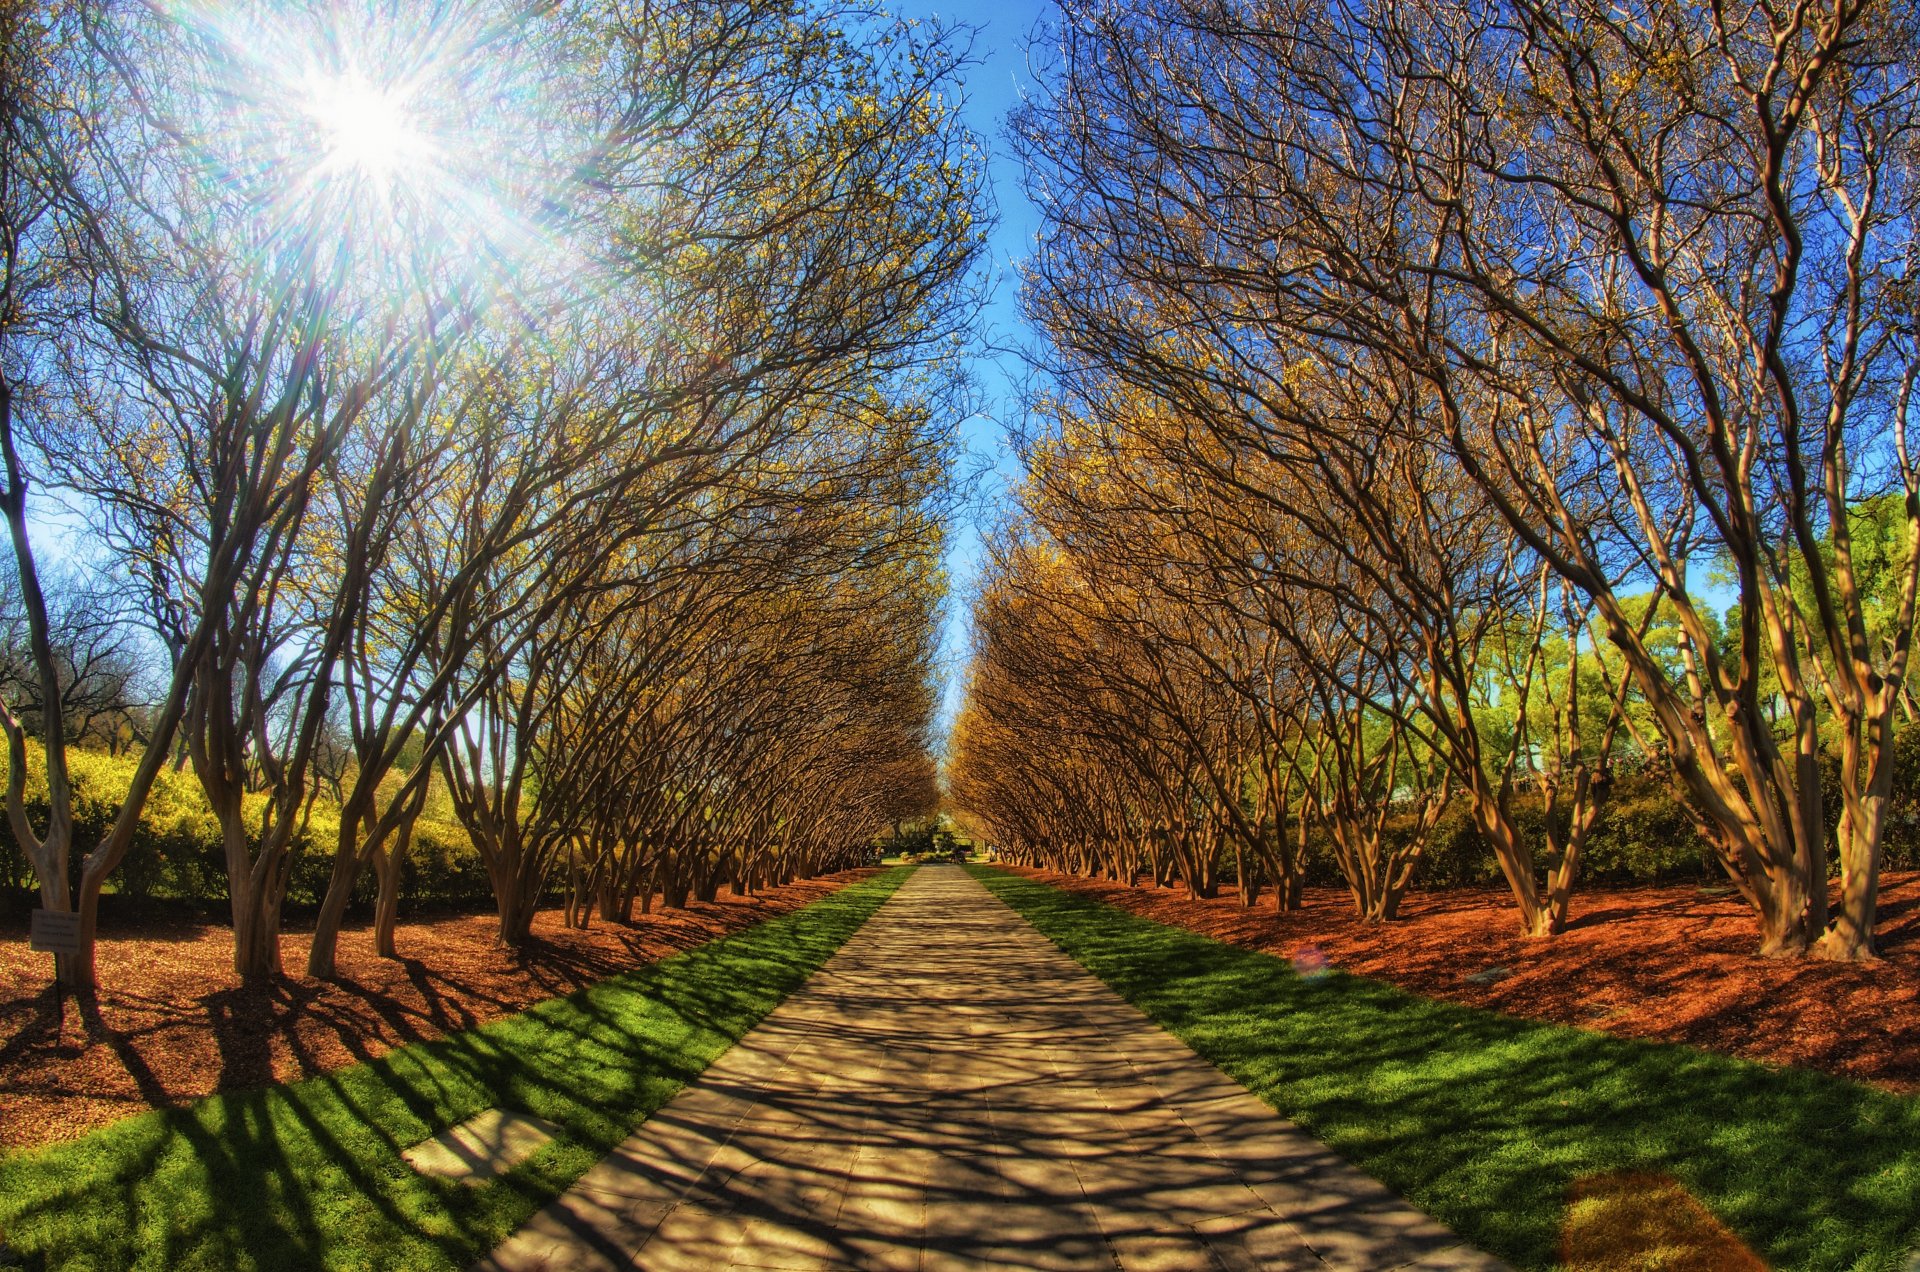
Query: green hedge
x,y
176,855
1643,835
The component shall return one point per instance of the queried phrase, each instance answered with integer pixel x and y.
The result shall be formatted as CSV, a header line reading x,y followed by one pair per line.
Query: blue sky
x,y
993,88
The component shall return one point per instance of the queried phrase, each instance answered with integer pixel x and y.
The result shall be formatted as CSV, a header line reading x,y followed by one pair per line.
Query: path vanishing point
x,y
952,1091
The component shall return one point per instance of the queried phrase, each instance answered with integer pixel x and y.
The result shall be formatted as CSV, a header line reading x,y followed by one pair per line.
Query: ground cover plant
x,y
1488,1122
309,1175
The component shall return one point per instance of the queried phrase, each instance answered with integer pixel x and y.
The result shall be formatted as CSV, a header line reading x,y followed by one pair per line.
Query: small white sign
x,y
55,932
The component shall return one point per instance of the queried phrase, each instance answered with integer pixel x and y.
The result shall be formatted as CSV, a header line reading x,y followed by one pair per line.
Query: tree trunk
x,y
322,955
673,888
1513,856
516,919
1289,894
607,897
646,887
1863,817
387,865
256,946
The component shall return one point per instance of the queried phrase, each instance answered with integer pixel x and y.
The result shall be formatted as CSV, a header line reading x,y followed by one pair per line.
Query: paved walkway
x,y
951,1091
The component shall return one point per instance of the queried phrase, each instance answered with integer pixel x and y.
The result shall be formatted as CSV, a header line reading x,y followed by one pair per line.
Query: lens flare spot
x,y
364,128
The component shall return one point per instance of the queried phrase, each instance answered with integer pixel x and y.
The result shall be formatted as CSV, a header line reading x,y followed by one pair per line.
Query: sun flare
x,y
364,128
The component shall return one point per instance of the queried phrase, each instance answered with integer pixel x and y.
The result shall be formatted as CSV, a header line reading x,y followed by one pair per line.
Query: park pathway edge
x,y
952,1091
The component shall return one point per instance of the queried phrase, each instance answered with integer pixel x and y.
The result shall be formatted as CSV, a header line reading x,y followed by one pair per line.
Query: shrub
x,y
177,855
1643,836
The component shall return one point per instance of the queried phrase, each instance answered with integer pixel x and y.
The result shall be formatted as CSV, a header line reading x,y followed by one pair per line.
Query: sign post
x,y
55,932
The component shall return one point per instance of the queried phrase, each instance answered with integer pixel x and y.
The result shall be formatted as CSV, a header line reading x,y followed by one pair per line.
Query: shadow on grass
x,y
1486,1120
310,1174
160,1040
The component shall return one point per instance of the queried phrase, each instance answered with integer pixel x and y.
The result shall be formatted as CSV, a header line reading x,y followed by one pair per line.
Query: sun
x,y
365,128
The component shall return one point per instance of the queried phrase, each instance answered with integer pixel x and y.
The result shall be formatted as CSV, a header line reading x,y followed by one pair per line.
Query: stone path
x,y
951,1091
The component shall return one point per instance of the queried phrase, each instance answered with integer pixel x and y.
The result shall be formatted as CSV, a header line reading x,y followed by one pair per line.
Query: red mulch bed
x,y
173,1024
1676,964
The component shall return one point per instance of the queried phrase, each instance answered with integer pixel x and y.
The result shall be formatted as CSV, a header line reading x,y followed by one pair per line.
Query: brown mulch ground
x,y
1676,964
173,1024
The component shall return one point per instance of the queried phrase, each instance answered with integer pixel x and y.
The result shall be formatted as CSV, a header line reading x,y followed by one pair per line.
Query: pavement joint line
x,y
948,1062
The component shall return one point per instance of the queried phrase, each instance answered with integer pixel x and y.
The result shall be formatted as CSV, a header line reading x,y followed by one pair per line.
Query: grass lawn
x,y
1485,1121
310,1175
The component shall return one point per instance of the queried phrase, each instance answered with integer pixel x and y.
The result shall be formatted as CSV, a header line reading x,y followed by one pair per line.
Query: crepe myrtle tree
x,y
1648,273
185,387
360,412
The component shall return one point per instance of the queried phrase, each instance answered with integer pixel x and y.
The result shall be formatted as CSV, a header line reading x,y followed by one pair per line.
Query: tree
x,y
388,434
99,668
1639,271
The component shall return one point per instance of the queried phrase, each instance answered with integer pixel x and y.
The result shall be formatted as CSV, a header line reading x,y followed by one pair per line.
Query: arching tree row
x,y
578,447
1457,404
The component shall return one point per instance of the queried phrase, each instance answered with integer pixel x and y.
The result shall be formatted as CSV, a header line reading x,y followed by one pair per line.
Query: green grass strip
x,y
310,1175
1484,1120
